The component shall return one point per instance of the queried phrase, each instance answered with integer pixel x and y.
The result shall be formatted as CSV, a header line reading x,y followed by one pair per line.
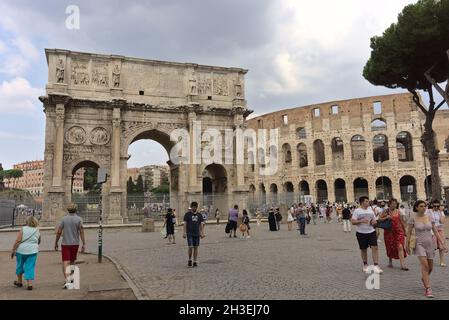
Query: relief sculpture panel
x,y
99,136
100,74
221,87
76,135
80,73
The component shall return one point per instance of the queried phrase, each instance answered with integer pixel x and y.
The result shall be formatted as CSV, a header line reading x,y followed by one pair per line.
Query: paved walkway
x,y
270,265
97,281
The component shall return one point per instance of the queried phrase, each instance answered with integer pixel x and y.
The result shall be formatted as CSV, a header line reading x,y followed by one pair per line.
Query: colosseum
x,y
340,150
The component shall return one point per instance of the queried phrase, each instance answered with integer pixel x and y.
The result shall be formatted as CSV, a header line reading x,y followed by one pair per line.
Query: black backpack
x,y
228,228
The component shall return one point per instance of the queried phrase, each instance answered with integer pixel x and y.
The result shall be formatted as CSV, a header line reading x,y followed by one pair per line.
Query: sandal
x,y
30,288
404,269
18,284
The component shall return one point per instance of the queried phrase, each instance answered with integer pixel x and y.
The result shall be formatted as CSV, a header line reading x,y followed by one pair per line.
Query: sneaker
x,y
195,264
428,293
189,264
248,237
67,285
365,269
378,270
443,265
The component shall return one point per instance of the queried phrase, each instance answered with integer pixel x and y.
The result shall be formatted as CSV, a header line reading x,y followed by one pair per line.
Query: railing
x,y
14,215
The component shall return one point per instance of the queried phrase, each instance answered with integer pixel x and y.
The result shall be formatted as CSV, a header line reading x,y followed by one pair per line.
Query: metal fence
x,y
13,214
88,207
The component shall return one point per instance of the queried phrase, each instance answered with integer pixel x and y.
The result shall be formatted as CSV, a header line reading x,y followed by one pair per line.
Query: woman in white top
x,y
26,248
290,219
438,216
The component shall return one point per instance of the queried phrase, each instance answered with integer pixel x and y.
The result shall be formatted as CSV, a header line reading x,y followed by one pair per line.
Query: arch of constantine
x,y
97,105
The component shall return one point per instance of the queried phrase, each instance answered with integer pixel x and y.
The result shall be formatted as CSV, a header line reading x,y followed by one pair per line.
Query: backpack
x,y
228,228
278,217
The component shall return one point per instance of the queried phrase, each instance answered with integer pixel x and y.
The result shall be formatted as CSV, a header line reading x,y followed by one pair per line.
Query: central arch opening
x,y
150,177
360,188
215,188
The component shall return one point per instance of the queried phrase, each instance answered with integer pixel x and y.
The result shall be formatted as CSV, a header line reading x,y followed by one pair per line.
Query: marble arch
x,y
96,105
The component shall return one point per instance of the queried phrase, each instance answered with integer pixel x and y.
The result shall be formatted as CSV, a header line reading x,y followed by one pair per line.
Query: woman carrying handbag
x,y
423,224
394,234
25,249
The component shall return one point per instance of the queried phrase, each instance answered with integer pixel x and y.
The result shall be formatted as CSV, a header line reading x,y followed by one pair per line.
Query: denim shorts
x,y
193,241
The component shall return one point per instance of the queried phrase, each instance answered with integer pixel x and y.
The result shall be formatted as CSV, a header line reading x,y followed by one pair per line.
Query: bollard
x,y
148,225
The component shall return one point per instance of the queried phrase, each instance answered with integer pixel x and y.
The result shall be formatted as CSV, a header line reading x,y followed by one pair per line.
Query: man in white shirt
x,y
437,214
364,219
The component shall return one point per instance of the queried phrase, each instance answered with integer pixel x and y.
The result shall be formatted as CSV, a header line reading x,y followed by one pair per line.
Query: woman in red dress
x,y
395,237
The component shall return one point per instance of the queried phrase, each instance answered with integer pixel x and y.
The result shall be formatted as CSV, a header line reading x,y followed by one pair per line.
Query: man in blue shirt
x,y
193,231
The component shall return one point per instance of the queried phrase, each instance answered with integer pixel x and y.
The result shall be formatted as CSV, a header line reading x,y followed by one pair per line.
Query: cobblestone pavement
x,y
326,264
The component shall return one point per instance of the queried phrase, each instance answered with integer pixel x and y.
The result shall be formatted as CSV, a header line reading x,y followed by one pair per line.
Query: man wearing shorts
x,y
364,219
233,217
193,231
71,228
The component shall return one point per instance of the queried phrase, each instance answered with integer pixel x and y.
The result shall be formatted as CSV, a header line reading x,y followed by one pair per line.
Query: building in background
x,y
133,173
153,176
32,179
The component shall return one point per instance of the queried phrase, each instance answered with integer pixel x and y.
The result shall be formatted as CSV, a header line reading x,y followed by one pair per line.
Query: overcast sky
x,y
298,52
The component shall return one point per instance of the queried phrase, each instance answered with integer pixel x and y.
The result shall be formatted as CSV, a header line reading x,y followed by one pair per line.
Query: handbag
x,y
412,242
228,227
386,224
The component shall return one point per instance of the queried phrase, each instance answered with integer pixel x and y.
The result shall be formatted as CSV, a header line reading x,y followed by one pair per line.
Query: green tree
x,y
130,186
162,189
90,178
139,185
413,54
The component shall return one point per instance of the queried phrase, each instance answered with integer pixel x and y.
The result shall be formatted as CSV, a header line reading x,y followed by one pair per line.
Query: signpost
x,y
102,177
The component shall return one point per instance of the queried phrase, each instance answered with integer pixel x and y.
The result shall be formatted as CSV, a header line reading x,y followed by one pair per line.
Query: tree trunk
x,y
428,140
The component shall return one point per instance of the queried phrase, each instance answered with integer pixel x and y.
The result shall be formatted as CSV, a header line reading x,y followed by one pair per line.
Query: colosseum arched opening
x,y
384,190
360,188
340,190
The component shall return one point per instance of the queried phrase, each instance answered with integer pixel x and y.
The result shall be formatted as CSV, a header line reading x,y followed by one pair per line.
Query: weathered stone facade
x,y
337,151
97,105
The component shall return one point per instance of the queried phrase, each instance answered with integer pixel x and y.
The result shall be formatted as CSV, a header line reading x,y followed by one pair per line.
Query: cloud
x,y
18,97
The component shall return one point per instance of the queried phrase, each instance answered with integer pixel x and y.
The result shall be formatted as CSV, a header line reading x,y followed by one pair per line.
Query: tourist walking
x,y
71,229
205,216
193,231
169,224
339,212
217,216
422,243
438,216
395,237
314,213
245,222
329,213
322,210
26,249
364,220
278,218
302,219
272,220
346,216
233,217
258,217
290,218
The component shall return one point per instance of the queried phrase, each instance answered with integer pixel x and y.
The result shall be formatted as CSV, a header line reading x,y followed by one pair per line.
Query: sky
x,y
298,52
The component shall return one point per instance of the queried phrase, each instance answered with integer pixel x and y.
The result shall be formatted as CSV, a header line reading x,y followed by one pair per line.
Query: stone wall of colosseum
x,y
341,150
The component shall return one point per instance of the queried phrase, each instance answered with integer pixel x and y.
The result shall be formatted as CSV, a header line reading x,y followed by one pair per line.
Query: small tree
x,y
130,186
413,54
139,184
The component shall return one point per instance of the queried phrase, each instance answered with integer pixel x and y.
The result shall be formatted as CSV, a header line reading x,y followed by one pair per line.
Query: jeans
x,y
346,225
302,225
